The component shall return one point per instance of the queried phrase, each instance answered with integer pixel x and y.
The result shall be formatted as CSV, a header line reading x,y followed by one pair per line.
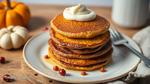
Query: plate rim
x,y
68,81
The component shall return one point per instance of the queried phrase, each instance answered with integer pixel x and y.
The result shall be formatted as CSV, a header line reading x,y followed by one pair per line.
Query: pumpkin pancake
x,y
84,62
80,51
74,67
80,43
69,54
86,51
78,29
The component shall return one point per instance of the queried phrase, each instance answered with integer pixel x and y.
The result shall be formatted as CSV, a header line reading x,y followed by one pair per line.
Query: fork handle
x,y
137,53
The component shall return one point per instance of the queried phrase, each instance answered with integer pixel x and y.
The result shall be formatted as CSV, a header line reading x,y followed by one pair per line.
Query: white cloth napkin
x,y
142,72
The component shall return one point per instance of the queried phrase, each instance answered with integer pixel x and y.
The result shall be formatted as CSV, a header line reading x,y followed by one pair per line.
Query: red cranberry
x,y
2,60
45,29
103,69
46,57
62,72
8,78
83,73
56,68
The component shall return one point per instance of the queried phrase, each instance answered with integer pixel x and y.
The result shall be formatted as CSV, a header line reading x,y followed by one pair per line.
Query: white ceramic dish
x,y
123,62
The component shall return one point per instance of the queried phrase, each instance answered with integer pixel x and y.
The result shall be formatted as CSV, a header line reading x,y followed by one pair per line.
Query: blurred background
x,y
126,13
70,2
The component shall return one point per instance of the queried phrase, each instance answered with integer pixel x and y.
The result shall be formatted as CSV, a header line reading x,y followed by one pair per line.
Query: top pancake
x,y
80,29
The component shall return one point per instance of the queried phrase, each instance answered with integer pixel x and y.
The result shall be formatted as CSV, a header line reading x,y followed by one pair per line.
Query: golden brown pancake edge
x,y
67,66
68,54
80,43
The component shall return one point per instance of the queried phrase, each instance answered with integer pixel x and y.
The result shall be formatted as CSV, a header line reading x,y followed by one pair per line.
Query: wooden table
x,y
41,15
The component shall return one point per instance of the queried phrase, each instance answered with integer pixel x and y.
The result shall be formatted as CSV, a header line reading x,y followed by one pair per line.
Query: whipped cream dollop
x,y
79,13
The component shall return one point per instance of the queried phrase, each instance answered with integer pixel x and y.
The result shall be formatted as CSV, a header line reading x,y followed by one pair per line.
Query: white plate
x,y
123,62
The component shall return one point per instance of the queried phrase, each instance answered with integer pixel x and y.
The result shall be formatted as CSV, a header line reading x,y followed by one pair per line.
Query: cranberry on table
x,y
8,78
83,73
55,68
36,74
2,60
45,29
62,72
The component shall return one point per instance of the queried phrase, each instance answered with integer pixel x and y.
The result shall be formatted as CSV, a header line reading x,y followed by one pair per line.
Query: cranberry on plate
x,y
55,68
83,73
103,69
62,72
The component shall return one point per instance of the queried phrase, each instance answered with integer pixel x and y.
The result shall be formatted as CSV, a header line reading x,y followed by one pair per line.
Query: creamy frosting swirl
x,y
79,13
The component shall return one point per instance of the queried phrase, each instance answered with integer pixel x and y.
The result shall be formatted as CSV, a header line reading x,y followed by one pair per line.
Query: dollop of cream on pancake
x,y
79,13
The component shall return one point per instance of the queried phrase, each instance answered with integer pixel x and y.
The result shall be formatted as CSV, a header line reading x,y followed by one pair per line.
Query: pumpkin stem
x,y
8,4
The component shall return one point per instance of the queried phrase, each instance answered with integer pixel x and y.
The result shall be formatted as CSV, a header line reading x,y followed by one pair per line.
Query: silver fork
x,y
118,39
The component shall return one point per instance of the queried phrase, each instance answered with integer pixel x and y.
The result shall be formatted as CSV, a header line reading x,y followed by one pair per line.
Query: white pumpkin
x,y
13,37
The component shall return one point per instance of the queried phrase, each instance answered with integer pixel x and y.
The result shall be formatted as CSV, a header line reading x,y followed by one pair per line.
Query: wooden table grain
x,y
41,16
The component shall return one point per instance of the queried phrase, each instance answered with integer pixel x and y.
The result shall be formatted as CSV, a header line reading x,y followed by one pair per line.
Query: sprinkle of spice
x,y
46,57
83,73
50,81
103,69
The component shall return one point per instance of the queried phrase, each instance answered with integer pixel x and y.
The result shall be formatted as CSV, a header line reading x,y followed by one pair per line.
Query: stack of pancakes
x,y
79,45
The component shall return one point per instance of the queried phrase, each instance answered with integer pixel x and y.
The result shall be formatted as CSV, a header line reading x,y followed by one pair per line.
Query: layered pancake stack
x,y
80,45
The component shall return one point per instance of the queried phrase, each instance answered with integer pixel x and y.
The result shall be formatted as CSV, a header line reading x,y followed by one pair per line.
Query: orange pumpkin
x,y
13,13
